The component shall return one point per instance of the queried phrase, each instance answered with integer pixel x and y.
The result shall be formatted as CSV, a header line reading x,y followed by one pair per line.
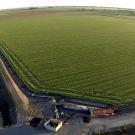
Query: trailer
x,y
102,112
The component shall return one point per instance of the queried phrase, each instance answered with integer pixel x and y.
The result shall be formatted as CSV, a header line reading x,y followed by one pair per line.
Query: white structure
x,y
53,124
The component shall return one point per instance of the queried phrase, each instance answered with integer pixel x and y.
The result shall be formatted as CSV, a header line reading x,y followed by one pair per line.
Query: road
x,y
75,126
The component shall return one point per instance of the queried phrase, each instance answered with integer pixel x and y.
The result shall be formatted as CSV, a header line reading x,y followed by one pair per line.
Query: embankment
x,y
20,101
7,108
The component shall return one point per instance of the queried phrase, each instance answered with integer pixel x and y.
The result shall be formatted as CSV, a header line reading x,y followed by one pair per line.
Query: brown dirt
x,y
21,101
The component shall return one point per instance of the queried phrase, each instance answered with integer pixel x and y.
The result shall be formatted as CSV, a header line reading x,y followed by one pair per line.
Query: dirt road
x,y
75,126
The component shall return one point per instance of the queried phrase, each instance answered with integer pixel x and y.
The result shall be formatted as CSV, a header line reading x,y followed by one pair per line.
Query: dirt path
x,y
74,127
21,101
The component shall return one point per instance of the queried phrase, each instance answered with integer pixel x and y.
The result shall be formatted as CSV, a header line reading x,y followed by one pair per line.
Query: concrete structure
x,y
53,124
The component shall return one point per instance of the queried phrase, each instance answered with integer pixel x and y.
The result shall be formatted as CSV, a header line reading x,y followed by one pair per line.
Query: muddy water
x,y
7,109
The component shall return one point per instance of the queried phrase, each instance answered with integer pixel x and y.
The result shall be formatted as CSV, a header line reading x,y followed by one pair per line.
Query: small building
x,y
53,124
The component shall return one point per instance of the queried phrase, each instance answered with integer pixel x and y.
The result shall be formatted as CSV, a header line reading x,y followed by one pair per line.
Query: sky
x,y
5,4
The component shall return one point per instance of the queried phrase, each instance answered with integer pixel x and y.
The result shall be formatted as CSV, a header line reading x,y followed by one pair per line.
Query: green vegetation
x,y
75,53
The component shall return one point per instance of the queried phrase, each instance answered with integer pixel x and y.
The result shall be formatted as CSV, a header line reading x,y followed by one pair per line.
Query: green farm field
x,y
82,54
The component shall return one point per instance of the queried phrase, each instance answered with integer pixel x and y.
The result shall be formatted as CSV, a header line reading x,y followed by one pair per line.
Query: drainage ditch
x,y
7,107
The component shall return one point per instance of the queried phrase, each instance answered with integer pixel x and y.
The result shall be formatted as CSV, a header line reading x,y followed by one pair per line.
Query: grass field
x,y
75,53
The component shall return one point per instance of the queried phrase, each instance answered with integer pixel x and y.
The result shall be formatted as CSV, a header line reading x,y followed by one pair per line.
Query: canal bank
x,y
7,107
13,101
26,106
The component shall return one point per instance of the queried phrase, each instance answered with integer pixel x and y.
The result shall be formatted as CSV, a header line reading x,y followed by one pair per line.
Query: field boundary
x,y
20,97
22,71
27,90
34,84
